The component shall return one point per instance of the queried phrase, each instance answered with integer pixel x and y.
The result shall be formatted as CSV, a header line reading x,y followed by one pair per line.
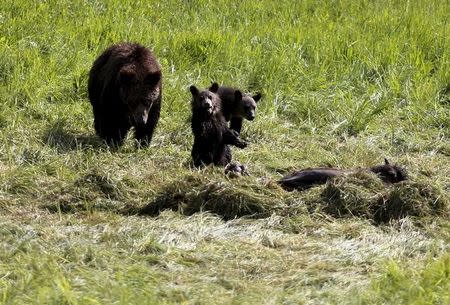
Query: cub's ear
x,y
127,76
237,95
193,90
386,161
257,97
214,87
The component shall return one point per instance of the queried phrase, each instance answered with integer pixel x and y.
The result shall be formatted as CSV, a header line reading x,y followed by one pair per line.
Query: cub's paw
x,y
241,144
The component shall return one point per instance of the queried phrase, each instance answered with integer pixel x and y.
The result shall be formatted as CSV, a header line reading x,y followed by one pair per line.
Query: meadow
x,y
344,83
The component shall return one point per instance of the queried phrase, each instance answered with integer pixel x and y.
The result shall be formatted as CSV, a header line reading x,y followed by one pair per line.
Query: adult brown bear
x,y
125,91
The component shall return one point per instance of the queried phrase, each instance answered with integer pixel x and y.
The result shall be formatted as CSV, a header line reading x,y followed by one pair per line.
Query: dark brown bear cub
x,y
237,106
125,91
306,178
211,134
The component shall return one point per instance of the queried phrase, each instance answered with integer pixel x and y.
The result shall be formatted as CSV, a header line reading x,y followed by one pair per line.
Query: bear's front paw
x,y
241,144
234,133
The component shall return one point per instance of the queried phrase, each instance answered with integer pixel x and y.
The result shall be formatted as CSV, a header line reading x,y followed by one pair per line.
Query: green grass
x,y
345,83
412,285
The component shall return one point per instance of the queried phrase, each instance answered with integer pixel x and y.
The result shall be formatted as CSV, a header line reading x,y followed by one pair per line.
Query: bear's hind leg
x,y
200,156
225,157
112,134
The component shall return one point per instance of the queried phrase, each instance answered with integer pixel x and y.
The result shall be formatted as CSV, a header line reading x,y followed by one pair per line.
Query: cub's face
x,y
249,108
247,105
204,102
390,173
138,90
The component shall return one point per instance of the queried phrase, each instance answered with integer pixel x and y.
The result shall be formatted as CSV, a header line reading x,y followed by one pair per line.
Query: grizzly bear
x,y
125,91
306,178
211,134
237,106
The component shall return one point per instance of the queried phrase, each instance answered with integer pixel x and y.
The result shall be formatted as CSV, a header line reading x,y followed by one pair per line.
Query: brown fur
x,y
125,91
211,134
237,106
307,178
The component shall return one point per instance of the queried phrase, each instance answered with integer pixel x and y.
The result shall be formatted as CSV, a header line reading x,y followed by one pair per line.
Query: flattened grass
x,y
360,194
352,195
227,198
418,199
364,195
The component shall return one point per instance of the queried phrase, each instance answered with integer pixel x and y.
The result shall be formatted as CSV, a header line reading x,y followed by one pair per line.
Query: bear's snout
x,y
251,115
140,115
208,106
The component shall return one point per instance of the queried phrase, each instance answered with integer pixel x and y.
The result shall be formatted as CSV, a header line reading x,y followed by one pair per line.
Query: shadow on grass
x,y
93,191
64,141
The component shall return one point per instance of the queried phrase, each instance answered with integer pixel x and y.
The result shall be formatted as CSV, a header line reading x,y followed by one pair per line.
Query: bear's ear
x,y
237,96
127,76
386,161
257,97
214,87
193,90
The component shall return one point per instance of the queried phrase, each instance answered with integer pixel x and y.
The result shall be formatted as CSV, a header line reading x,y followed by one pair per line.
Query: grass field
x,y
345,83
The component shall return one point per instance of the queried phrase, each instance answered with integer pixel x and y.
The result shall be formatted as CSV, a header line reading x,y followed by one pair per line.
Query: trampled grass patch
x,y
360,194
364,195
416,199
352,196
226,198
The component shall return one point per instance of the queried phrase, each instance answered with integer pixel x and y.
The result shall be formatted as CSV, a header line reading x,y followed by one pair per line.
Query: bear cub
x,y
237,106
125,91
211,133
306,178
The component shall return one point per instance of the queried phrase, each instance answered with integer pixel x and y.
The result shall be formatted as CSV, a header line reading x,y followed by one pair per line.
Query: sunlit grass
x,y
345,83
